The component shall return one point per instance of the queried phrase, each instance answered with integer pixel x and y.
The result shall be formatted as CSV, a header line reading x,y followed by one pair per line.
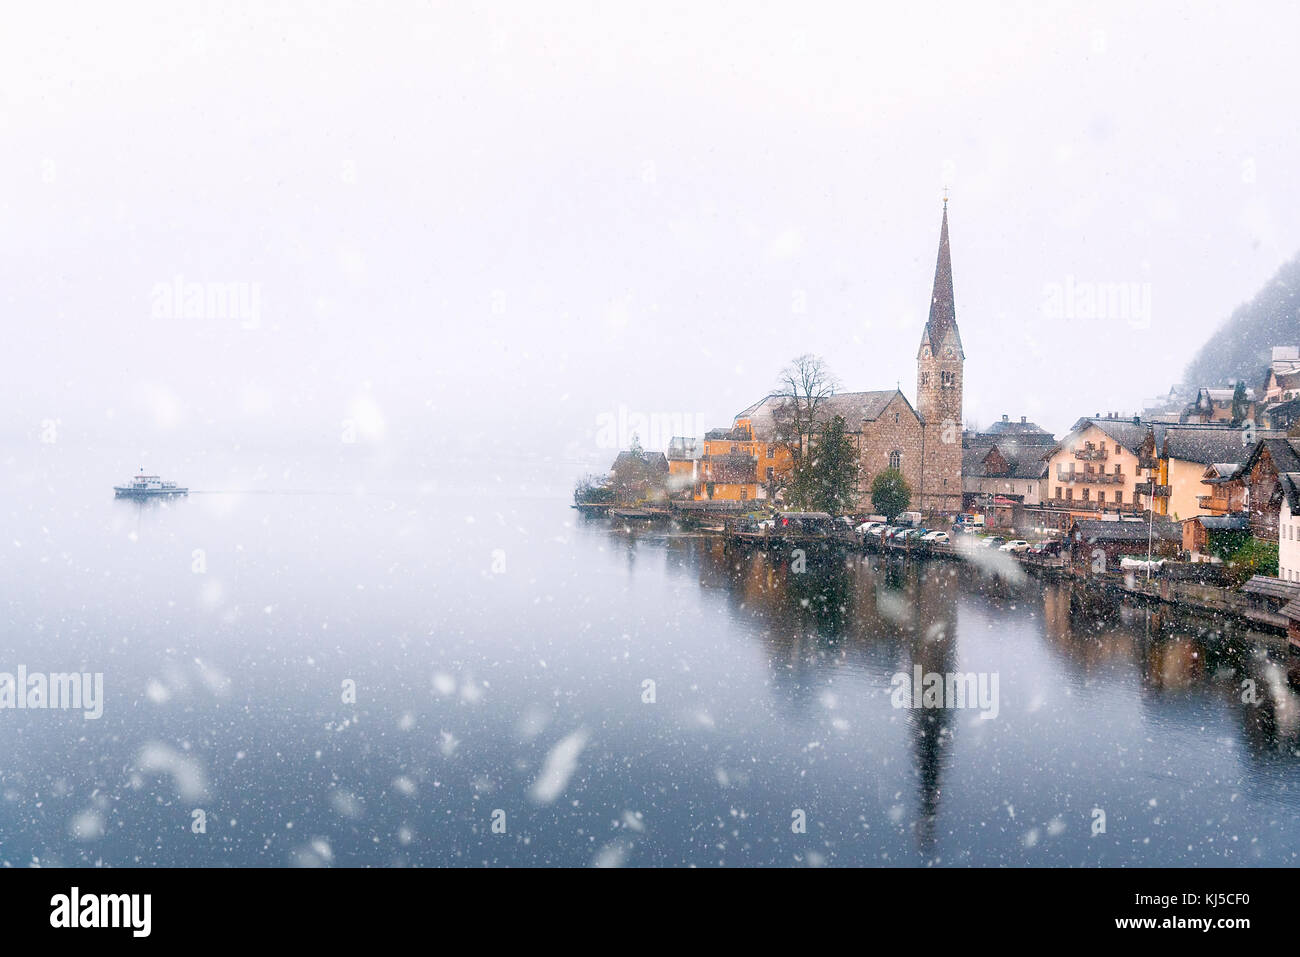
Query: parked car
x,y
878,531
1046,549
870,528
941,537
1015,545
993,541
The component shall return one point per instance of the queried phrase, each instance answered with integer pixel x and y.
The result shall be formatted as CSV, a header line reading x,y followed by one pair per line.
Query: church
x,y
922,441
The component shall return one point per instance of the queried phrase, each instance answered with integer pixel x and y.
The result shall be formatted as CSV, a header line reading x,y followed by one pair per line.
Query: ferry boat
x,y
148,486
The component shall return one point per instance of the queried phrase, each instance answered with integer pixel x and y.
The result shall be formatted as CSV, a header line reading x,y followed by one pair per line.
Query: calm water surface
x,y
500,649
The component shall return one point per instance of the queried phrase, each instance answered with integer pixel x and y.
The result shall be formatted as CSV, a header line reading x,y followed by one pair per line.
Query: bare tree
x,y
802,389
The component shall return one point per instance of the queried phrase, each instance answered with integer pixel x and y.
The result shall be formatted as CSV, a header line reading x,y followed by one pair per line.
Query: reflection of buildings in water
x,y
1270,709
1174,663
883,614
1087,630
1182,659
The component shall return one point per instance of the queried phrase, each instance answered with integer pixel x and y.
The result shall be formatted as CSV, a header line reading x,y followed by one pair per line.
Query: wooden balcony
x,y
1087,505
1092,478
1090,455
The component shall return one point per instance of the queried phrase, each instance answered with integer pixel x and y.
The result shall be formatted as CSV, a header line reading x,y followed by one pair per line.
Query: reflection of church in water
x,y
883,617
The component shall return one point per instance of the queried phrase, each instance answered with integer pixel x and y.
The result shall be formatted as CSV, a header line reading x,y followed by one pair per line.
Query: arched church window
x,y
895,459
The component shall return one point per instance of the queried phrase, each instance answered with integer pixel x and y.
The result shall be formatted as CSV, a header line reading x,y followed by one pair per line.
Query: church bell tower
x,y
939,364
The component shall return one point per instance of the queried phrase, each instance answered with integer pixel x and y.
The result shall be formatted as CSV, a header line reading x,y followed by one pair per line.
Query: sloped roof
x,y
1023,463
1271,587
1129,434
1282,452
1217,473
1223,523
1207,444
1290,482
1096,530
855,407
1027,431
943,308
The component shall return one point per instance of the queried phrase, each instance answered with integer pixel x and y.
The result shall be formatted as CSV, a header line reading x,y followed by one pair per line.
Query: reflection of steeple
x,y
934,648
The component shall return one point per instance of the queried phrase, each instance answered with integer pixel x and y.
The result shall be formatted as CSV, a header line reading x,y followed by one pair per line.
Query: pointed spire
x,y
943,310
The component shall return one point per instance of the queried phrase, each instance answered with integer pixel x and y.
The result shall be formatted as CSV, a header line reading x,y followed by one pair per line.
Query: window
x,y
1069,495
1058,492
1119,497
1116,469
896,459
1086,493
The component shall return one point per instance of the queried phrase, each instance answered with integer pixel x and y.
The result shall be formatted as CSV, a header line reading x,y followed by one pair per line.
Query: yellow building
x,y
737,466
1186,452
1098,467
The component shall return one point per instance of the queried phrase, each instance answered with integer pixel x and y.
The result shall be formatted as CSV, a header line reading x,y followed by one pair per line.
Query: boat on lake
x,y
148,486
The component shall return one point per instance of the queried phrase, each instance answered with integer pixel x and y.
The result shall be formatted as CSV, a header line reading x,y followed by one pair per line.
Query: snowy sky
x,y
468,225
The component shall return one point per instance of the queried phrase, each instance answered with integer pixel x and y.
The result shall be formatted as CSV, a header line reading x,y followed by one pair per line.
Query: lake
x,y
413,677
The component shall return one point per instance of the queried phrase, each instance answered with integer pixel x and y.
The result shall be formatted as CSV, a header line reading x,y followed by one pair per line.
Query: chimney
x,y
1004,418
1022,420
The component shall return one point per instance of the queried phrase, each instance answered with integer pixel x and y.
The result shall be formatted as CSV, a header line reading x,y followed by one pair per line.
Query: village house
x,y
922,442
1288,538
737,466
1006,462
1096,542
1225,495
1280,415
1282,378
1098,467
1184,454
1214,537
1260,475
1216,405
637,475
1165,408
684,453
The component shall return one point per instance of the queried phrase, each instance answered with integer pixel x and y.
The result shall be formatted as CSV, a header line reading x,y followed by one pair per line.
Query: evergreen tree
x,y
890,494
1240,404
826,480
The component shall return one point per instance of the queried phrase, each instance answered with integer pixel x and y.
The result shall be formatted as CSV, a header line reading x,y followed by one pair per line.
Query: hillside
x,y
1241,347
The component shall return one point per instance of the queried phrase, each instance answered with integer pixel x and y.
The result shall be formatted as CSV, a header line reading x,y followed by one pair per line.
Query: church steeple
x,y
943,308
940,371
